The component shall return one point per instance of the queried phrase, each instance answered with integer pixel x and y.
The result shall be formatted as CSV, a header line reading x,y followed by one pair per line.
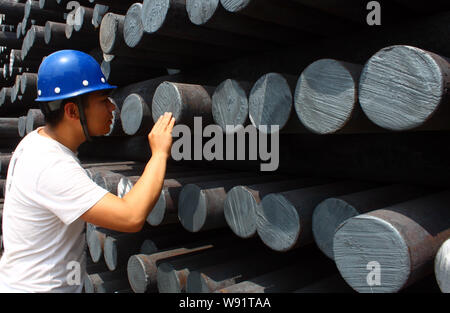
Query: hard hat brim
x,y
76,93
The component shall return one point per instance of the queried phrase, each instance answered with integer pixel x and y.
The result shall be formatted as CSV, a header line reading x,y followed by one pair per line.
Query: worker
x,y
49,196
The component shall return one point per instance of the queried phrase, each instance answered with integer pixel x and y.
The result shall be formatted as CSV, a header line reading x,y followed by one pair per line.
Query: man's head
x,y
98,111
71,87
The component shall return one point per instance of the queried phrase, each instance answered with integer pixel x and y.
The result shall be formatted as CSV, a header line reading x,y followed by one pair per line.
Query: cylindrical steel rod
x,y
21,126
442,267
95,239
12,9
172,273
112,42
108,180
326,98
35,119
142,268
201,205
169,18
145,89
83,19
8,127
165,209
332,212
271,101
99,11
388,249
404,88
238,268
284,219
118,248
10,40
135,37
185,101
106,282
28,86
210,14
241,202
113,71
4,163
116,5
33,11
230,105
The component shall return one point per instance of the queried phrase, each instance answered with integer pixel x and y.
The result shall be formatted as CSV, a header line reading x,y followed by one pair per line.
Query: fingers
x,y
171,125
162,122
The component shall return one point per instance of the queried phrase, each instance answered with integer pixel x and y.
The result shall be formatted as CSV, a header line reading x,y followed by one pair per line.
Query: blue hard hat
x,y
69,73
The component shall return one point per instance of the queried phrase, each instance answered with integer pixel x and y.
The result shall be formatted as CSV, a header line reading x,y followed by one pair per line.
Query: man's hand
x,y
160,137
128,214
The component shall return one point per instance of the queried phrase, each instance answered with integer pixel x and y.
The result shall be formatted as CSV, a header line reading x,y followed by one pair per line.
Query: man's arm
x,y
128,214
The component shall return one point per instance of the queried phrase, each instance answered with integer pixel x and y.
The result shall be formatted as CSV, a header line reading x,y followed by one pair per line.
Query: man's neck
x,y
71,142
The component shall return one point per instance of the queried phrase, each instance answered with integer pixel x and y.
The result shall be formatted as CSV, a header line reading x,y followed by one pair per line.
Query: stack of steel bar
x,y
360,114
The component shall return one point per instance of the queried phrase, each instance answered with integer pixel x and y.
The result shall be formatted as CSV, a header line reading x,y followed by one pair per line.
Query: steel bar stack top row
x,y
299,69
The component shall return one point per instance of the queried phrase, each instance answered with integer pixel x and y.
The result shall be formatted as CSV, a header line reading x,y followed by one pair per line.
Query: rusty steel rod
x,y
35,119
332,212
142,268
107,180
112,42
271,102
119,248
236,269
115,5
172,273
326,98
99,11
169,18
21,126
442,267
10,40
33,11
185,101
114,69
230,104
4,163
12,9
136,37
404,88
389,249
210,14
106,282
201,205
241,202
95,239
8,127
283,220
119,148
166,208
83,19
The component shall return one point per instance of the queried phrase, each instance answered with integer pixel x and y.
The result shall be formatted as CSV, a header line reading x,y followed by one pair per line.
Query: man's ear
x,y
71,110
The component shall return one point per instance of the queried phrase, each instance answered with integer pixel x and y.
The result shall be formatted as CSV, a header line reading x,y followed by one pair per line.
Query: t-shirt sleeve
x,y
66,190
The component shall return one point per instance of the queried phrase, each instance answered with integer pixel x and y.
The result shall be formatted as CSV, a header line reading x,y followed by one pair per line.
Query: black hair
x,y
52,118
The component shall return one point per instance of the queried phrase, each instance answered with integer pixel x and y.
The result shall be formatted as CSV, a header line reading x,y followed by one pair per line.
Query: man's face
x,y
99,113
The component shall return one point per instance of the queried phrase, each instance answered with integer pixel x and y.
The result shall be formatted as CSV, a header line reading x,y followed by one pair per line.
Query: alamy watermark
x,y
374,16
374,276
73,278
234,137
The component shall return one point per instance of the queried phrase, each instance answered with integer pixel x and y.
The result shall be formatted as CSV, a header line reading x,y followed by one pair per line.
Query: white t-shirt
x,y
47,191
